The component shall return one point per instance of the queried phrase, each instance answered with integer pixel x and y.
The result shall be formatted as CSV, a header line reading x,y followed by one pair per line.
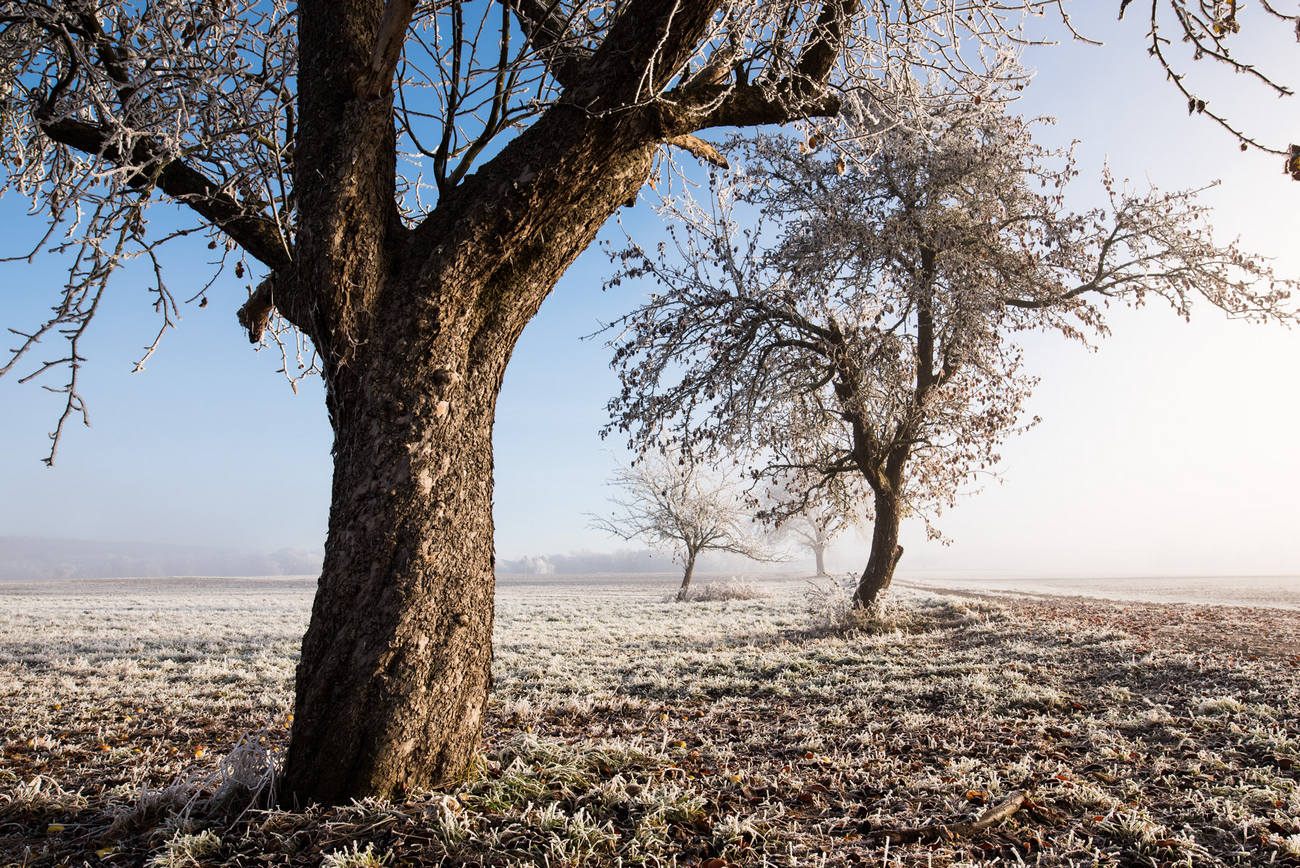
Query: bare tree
x,y
408,181
868,341
670,503
817,530
811,516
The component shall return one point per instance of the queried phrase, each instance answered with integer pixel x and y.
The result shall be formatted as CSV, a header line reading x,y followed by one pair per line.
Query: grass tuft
x,y
725,591
355,857
187,850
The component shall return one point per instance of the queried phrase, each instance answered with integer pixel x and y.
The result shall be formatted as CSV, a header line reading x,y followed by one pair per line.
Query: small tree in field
x,y
670,503
817,531
869,340
812,517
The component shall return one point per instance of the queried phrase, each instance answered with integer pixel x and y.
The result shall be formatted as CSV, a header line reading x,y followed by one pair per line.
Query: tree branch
x,y
796,96
377,77
818,58
648,45
549,34
699,148
748,105
257,234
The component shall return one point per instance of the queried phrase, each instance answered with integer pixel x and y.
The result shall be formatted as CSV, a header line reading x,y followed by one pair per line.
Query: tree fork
x,y
393,681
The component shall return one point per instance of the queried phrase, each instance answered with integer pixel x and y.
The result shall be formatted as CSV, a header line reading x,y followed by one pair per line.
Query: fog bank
x,y
35,558
582,563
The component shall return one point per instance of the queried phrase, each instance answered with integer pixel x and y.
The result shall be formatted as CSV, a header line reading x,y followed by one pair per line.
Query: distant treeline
x,y
643,561
37,558
34,558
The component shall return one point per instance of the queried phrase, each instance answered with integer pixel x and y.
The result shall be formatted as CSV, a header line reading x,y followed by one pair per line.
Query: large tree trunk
x,y
885,550
686,578
395,667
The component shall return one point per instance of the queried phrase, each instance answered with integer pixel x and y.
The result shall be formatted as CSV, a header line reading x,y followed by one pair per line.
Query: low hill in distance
x,y
36,558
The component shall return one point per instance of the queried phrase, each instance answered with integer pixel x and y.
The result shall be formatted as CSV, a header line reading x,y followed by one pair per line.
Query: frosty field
x,y
140,721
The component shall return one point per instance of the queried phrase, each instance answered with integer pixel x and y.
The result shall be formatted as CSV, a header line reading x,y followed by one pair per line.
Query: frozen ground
x,y
1272,591
137,719
1277,591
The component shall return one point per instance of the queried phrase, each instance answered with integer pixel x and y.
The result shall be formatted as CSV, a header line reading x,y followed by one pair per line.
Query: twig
x,y
991,817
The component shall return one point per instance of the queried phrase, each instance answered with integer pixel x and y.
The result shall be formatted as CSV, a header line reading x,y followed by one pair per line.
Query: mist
x,y
38,558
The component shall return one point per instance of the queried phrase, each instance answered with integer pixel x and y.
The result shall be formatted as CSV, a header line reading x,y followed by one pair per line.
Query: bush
x,y
731,589
830,604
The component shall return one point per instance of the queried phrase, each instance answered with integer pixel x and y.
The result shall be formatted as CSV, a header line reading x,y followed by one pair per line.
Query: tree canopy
x,y
849,317
113,108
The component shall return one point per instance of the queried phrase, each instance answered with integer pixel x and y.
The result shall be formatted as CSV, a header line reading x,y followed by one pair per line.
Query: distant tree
x,y
811,516
672,504
868,340
817,531
404,183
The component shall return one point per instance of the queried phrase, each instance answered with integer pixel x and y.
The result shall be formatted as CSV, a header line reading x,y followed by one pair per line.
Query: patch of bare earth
x,y
627,730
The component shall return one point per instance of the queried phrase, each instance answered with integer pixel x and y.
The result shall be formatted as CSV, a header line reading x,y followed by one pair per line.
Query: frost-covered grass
x,y
727,589
138,722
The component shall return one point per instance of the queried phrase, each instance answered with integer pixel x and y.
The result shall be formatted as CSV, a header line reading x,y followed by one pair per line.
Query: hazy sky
x,y
1172,449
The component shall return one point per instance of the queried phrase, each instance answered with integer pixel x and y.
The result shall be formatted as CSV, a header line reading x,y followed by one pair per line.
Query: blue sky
x,y
1172,449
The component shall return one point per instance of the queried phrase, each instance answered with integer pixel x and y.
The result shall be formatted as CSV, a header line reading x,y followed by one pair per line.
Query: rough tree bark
x,y
819,552
686,576
885,550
